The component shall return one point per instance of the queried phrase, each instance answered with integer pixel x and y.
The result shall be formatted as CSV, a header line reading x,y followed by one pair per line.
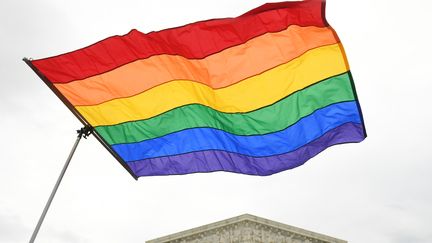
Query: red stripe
x,y
193,41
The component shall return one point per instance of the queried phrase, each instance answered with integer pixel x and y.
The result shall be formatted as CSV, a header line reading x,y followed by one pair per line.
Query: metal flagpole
x,y
85,131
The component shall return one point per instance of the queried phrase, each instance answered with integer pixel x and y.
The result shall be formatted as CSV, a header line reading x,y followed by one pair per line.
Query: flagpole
x,y
85,131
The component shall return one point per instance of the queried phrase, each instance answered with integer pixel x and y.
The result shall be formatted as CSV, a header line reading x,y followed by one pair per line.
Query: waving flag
x,y
256,94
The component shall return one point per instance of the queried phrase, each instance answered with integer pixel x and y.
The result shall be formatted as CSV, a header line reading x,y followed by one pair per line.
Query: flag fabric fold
x,y
256,94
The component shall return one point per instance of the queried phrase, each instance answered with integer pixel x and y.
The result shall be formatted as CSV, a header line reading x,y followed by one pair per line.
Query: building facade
x,y
247,229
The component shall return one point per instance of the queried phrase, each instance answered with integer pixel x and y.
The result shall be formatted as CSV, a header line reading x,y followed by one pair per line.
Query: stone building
x,y
246,229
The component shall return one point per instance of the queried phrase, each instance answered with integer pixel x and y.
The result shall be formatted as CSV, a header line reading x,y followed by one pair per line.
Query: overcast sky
x,y
377,191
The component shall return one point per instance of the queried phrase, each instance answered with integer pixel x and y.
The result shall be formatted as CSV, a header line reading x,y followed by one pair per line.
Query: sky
x,y
377,191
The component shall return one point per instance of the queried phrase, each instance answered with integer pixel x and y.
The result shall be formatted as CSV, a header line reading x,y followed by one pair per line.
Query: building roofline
x,y
242,218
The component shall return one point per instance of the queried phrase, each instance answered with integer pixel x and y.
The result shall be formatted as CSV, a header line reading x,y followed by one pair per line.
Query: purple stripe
x,y
216,160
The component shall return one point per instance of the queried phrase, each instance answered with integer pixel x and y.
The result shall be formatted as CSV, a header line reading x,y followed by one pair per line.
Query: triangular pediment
x,y
247,228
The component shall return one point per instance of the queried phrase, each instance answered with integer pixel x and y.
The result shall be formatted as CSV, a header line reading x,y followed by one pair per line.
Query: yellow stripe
x,y
247,95
219,70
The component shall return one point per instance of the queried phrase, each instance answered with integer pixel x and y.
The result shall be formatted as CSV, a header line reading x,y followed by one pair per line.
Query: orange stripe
x,y
217,71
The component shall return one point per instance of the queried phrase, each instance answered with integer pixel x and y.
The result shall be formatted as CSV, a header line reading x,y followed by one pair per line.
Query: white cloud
x,y
357,192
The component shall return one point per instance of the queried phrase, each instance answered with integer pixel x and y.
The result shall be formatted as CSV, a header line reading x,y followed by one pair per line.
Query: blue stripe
x,y
304,131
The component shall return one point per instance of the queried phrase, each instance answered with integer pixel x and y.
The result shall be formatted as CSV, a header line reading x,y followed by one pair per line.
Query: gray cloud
x,y
377,191
12,229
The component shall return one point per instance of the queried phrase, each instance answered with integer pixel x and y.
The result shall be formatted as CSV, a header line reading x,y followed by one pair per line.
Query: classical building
x,y
246,229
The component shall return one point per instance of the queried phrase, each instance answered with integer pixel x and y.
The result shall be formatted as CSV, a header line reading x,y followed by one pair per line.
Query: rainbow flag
x,y
256,94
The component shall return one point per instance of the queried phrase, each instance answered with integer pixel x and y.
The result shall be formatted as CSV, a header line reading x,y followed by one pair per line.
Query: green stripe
x,y
268,119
